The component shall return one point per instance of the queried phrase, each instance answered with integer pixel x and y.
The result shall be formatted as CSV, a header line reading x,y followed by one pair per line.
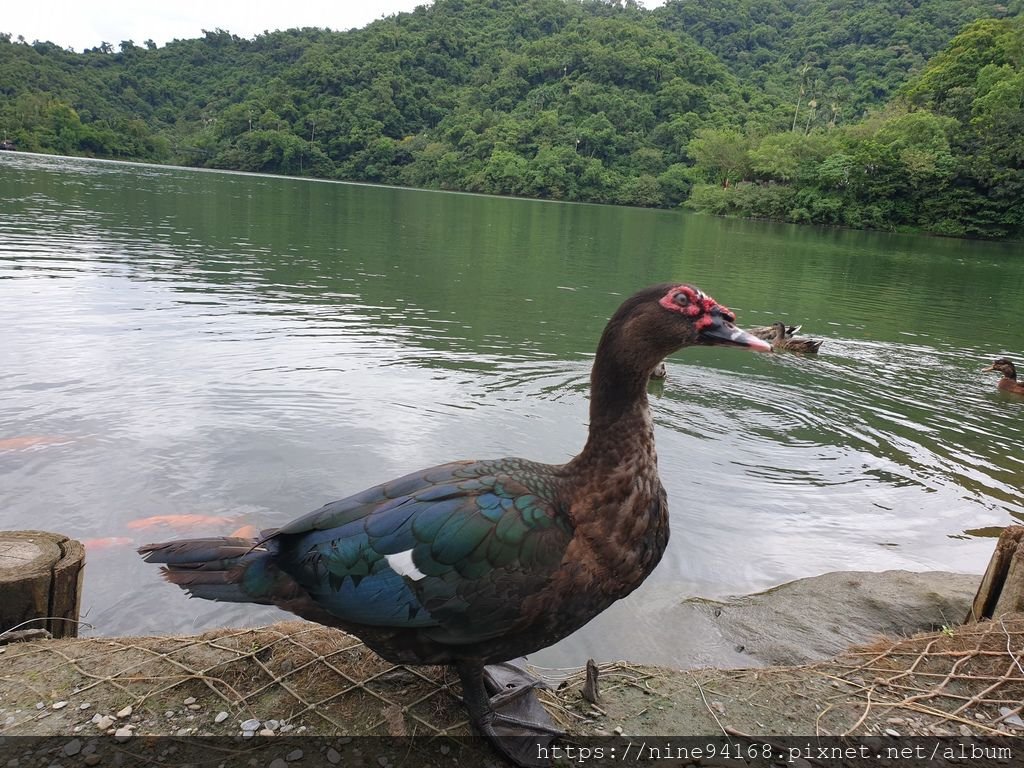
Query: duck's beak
x,y
990,368
721,332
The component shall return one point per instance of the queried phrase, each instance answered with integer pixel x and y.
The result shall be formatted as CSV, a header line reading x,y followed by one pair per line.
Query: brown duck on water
x,y
475,563
767,332
781,341
1008,382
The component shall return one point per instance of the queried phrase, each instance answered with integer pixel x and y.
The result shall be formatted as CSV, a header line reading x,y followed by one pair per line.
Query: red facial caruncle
x,y
696,305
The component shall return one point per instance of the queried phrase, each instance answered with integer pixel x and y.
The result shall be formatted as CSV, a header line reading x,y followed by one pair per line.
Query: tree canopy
x,y
873,113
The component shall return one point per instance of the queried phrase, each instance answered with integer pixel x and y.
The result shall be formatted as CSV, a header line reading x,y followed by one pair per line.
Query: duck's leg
x,y
503,705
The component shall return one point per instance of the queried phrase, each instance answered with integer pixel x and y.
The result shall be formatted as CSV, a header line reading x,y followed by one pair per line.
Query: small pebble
x,y
266,732
73,747
84,705
92,759
383,762
221,717
248,734
277,762
251,724
40,705
287,727
295,754
169,714
272,724
126,712
104,722
189,700
194,707
59,704
892,732
122,734
445,749
617,730
334,757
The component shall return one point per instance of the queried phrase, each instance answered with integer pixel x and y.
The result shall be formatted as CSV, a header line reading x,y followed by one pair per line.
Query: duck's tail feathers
x,y
221,568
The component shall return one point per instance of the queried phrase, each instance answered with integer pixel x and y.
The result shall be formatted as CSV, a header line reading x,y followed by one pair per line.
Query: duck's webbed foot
x,y
503,705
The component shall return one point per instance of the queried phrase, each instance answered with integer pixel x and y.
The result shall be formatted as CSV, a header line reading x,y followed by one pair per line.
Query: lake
x,y
186,352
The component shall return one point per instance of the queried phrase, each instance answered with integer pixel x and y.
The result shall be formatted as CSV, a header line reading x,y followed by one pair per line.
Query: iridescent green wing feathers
x,y
456,548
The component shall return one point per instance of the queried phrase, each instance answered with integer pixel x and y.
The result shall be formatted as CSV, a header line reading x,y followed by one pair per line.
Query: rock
x,y
73,747
277,762
266,732
92,759
59,704
169,714
194,707
221,717
248,734
1010,718
334,757
892,732
272,724
812,618
123,734
295,754
84,705
251,724
126,712
189,700
105,722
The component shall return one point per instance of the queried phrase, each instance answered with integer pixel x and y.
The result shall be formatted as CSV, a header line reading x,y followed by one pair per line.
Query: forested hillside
x,y
762,104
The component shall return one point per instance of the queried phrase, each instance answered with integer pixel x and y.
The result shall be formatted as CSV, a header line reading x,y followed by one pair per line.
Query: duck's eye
x,y
681,299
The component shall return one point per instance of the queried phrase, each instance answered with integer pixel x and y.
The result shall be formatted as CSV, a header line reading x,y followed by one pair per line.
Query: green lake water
x,y
244,348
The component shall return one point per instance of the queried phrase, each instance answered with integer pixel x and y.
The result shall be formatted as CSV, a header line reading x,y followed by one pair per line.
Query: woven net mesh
x,y
329,682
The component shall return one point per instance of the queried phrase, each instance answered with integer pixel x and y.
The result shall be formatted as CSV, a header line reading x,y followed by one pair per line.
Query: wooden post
x,y
40,578
1002,586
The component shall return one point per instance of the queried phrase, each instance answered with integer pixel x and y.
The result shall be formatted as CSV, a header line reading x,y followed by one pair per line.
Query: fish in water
x,y
28,442
107,542
179,521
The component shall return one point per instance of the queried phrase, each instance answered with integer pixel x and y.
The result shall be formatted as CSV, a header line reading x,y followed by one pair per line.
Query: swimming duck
x,y
784,340
1008,383
767,332
474,563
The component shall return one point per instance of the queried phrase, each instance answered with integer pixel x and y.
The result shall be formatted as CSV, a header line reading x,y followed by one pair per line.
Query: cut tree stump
x,y
1002,586
40,578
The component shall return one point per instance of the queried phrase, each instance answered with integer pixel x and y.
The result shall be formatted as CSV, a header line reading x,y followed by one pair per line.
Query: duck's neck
x,y
621,433
1010,373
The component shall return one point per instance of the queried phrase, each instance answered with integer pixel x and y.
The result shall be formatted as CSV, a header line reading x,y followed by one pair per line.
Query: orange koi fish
x,y
179,521
106,542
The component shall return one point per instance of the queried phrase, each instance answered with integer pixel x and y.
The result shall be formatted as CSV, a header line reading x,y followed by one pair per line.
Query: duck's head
x,y
780,330
657,321
1004,366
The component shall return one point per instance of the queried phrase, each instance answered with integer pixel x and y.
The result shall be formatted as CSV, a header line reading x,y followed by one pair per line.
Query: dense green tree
x,y
857,112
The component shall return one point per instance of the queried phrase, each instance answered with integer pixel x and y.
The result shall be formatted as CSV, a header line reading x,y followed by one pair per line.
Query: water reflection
x,y
247,348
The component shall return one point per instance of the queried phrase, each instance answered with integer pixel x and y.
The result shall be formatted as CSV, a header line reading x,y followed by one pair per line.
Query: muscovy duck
x,y
1008,382
475,563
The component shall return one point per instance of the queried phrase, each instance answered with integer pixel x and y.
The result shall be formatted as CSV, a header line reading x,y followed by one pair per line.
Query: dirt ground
x,y
300,678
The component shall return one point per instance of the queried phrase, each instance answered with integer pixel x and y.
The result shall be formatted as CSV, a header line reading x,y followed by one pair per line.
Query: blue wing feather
x,y
466,526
